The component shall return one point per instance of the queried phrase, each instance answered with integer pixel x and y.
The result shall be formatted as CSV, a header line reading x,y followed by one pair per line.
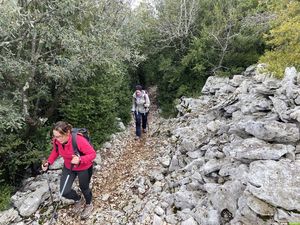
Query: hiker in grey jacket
x,y
140,108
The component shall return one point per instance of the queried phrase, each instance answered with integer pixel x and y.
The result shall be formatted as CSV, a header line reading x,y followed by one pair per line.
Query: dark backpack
x,y
78,131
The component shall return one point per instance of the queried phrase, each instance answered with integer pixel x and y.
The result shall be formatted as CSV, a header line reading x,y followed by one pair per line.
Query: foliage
x,y
227,43
283,38
124,100
10,118
94,99
8,155
5,194
49,49
168,85
220,38
176,21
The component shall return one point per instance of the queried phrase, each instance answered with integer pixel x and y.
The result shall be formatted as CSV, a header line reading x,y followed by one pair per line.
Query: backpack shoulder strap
x,y
74,142
55,145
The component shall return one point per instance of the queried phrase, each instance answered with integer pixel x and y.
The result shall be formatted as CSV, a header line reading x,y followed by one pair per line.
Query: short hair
x,y
138,87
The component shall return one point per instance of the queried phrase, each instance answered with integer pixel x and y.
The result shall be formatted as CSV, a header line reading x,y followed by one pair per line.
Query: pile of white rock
x,y
233,155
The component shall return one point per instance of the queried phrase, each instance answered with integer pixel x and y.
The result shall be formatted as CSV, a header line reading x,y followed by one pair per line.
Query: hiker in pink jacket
x,y
75,165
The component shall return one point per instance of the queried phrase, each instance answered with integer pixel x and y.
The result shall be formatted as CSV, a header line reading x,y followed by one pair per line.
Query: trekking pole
x,y
49,188
54,214
48,182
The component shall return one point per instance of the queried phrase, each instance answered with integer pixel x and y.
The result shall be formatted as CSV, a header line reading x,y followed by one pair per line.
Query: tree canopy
x,y
62,60
283,38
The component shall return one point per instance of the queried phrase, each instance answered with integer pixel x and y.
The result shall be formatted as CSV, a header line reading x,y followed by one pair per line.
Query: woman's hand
x,y
75,160
45,165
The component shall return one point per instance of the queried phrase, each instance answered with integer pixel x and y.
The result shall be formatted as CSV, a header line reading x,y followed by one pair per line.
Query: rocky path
x,y
212,165
122,164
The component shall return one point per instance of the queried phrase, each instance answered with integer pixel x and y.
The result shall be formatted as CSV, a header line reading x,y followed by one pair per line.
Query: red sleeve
x,y
53,155
89,153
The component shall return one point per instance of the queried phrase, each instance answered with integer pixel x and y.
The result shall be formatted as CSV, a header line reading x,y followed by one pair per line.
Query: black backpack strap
x,y
56,147
74,143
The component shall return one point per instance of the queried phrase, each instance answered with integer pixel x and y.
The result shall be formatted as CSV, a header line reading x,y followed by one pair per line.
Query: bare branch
x,y
177,21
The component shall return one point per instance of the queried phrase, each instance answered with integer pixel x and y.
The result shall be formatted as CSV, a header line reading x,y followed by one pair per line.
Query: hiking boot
x,y
137,138
78,205
87,211
144,130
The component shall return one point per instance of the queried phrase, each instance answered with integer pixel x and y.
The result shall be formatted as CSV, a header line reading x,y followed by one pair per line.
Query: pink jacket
x,y
66,152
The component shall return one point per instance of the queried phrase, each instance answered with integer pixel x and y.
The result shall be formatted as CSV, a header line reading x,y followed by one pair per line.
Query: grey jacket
x,y
140,104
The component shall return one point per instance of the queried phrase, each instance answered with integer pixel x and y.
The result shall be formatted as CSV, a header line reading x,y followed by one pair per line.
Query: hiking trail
x,y
119,169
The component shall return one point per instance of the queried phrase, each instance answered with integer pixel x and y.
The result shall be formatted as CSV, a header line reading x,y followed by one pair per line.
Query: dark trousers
x,y
84,178
140,119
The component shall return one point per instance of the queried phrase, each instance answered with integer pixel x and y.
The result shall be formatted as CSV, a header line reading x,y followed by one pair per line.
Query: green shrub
x,y
283,39
5,194
96,102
